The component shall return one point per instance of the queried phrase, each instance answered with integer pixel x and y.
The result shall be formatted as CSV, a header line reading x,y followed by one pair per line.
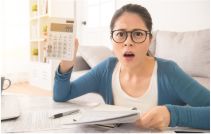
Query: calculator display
x,y
60,41
61,27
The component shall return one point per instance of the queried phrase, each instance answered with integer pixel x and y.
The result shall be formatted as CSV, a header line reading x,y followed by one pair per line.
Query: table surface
x,y
34,109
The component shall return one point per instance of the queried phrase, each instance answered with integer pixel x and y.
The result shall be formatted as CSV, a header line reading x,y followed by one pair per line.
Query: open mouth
x,y
128,54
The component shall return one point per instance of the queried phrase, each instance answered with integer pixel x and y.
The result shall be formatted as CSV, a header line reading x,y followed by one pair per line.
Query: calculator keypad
x,y
60,45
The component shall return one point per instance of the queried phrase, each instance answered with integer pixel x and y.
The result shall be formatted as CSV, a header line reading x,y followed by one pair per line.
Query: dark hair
x,y
133,8
137,9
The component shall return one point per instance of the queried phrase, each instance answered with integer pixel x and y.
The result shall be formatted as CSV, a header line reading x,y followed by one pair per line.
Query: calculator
x,y
60,41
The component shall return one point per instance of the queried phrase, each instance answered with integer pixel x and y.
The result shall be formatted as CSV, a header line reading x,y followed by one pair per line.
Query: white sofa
x,y
190,50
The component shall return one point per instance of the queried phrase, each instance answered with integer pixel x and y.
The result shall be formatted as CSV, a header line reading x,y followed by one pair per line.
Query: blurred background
x,y
23,24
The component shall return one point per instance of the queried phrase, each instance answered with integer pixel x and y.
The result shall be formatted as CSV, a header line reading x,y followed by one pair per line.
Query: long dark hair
x,y
141,11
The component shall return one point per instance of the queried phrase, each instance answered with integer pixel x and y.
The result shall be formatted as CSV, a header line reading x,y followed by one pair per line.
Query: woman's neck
x,y
143,68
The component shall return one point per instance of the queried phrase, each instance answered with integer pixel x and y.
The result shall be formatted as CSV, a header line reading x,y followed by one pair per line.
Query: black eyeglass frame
x,y
147,32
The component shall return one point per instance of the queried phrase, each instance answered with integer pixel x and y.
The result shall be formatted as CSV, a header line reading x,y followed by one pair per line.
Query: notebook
x,y
10,107
103,114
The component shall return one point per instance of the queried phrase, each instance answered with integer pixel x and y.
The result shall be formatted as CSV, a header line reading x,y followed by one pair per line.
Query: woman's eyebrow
x,y
140,29
121,29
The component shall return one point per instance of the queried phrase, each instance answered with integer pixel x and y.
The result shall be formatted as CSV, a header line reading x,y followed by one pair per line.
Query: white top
x,y
144,102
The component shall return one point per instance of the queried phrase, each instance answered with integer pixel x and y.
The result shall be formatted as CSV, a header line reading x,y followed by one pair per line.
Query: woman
x,y
166,94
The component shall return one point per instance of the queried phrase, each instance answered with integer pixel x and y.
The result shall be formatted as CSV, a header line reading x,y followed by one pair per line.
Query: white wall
x,y
97,32
170,15
176,15
62,8
14,48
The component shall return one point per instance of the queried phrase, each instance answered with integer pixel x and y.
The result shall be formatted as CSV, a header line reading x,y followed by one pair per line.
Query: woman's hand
x,y
156,118
66,65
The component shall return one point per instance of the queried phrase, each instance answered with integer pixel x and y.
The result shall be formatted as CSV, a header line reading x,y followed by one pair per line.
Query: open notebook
x,y
106,115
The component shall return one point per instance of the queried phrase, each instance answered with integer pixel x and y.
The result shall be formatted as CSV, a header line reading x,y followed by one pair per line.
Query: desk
x,y
34,105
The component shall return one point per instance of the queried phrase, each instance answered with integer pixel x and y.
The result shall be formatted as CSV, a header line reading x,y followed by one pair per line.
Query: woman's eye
x,y
120,34
138,34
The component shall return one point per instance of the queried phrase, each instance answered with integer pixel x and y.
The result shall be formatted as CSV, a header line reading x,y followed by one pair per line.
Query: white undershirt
x,y
144,102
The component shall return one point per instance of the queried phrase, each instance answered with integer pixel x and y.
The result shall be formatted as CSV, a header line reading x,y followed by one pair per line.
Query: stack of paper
x,y
99,116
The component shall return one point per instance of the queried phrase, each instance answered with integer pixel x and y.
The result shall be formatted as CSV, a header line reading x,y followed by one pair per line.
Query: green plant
x,y
45,29
34,7
35,52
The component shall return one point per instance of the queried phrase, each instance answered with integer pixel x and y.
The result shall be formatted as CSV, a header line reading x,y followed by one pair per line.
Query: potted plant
x,y
35,53
34,8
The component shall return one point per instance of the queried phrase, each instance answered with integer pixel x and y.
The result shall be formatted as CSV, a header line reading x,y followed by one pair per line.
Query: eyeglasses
x,y
137,36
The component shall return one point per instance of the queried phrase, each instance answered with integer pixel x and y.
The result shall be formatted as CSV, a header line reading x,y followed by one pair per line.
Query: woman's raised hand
x,y
66,65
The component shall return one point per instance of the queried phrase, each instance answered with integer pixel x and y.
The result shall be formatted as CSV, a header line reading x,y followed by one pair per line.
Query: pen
x,y
181,131
65,113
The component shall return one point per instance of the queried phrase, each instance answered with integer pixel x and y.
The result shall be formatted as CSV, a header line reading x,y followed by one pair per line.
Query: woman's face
x,y
129,52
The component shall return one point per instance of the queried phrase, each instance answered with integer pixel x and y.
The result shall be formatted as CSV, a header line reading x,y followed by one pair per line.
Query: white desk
x,y
35,112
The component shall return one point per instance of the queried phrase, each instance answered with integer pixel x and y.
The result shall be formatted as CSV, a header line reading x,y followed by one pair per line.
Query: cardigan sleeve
x,y
196,113
64,89
187,116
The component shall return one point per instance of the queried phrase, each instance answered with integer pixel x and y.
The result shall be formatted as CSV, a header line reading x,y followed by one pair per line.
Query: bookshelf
x,y
41,12
42,71
39,16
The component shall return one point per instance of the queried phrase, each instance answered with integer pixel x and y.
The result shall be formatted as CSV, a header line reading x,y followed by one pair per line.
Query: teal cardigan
x,y
187,101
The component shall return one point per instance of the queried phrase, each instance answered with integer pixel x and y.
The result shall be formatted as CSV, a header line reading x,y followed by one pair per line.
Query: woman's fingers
x,y
157,123
144,120
65,65
157,118
147,119
76,47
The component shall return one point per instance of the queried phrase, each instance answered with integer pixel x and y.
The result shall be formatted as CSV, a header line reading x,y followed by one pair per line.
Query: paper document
x,y
105,117
35,121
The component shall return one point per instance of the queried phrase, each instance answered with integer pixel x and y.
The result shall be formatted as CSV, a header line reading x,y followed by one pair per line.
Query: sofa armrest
x,y
203,81
80,64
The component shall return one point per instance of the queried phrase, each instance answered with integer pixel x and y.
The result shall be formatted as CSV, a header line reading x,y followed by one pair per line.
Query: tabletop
x,y
35,112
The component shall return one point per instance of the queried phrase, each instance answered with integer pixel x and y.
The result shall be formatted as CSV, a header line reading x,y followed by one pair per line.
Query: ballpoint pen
x,y
65,113
187,131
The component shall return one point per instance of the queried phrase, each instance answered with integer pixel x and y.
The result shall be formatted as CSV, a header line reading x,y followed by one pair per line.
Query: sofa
x,y
190,50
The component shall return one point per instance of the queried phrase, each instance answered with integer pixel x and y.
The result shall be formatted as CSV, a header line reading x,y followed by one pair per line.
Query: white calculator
x,y
61,40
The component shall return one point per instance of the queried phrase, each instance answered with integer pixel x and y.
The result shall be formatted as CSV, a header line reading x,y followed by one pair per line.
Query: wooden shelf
x,y
38,40
35,18
38,20
41,12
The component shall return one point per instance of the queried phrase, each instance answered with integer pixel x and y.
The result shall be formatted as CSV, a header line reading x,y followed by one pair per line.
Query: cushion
x,y
190,50
152,46
93,55
203,81
80,64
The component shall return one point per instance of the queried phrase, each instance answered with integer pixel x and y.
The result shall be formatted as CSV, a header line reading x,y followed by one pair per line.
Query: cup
x,y
3,81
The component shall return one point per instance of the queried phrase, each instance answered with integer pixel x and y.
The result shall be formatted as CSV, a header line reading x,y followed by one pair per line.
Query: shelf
x,y
41,63
41,13
42,72
38,40
39,17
